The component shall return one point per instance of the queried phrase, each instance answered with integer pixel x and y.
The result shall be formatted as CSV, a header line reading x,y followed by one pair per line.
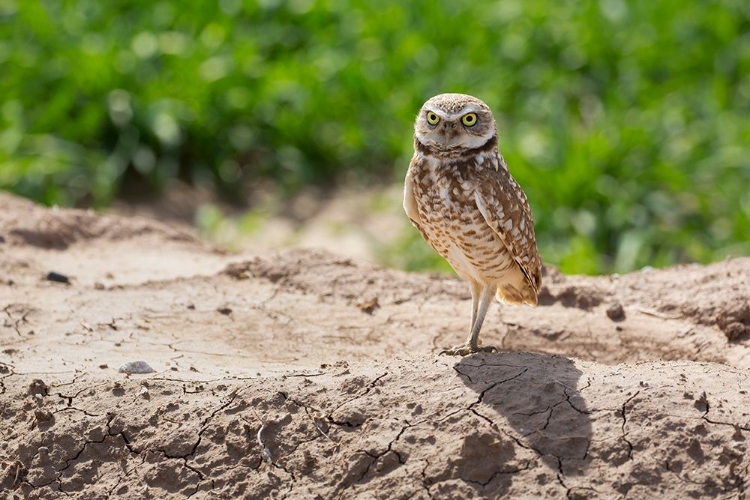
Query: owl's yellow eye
x,y
432,118
469,119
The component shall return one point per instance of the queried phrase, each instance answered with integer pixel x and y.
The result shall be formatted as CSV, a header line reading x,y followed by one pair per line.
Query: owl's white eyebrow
x,y
448,116
468,109
438,112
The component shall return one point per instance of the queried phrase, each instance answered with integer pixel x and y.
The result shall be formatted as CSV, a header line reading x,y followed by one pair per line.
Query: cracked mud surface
x,y
299,374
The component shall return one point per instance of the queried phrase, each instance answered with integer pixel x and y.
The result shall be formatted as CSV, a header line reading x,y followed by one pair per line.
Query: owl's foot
x,y
466,349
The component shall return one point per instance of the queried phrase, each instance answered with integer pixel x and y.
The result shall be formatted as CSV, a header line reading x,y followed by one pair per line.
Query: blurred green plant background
x,y
626,122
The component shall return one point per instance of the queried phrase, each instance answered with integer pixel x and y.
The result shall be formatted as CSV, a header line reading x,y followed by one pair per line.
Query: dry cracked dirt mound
x,y
298,374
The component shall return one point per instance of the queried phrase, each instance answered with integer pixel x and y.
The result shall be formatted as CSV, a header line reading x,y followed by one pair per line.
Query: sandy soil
x,y
300,374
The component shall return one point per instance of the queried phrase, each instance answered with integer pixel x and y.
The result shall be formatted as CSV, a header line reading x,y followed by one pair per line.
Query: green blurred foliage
x,y
627,123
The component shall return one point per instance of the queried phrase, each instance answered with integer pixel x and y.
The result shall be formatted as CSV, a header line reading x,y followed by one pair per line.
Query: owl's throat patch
x,y
442,151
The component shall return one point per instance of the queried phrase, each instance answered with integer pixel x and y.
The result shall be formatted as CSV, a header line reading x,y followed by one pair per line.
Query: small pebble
x,y
615,312
58,278
136,367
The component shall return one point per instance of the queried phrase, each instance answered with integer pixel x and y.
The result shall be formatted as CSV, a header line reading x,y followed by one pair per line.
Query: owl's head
x,y
451,122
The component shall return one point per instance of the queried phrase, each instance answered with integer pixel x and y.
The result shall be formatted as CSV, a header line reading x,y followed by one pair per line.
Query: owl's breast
x,y
455,228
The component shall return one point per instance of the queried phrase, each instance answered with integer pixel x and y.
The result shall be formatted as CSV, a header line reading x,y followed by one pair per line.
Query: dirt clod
x,y
615,312
734,320
368,305
38,387
43,415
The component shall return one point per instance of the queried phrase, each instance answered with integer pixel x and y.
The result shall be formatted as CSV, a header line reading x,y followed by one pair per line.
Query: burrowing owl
x,y
460,195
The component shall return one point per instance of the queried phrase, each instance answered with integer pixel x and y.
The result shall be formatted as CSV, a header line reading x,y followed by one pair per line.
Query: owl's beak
x,y
449,131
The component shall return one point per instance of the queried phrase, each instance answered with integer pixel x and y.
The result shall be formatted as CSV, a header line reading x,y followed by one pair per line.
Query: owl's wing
x,y
506,210
410,204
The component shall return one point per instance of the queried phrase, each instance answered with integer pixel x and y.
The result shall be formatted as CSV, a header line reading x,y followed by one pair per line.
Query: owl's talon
x,y
466,349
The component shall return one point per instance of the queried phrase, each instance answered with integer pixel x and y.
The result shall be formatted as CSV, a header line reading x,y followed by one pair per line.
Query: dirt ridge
x,y
299,374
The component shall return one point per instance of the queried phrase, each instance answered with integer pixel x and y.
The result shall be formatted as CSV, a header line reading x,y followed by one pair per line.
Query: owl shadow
x,y
539,397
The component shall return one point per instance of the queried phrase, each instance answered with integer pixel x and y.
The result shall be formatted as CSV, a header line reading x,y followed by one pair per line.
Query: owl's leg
x,y
476,291
481,300
485,300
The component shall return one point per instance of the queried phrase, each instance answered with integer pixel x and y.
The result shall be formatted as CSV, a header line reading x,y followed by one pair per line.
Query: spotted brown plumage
x,y
461,197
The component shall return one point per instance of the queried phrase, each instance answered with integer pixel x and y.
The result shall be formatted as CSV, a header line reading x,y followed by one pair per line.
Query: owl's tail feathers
x,y
512,295
517,288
